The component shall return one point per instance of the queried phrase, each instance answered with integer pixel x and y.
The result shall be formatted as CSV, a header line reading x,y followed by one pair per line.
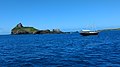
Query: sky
x,y
67,15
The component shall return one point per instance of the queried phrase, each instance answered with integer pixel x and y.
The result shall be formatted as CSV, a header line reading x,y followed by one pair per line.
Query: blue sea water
x,y
60,50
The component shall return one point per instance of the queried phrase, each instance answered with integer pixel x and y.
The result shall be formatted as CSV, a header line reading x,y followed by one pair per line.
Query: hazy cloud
x,y
3,31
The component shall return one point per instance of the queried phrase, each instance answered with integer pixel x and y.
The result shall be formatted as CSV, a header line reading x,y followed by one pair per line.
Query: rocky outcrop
x,y
42,32
19,25
57,31
20,29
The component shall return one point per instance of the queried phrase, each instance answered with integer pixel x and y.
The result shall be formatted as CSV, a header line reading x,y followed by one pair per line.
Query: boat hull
x,y
88,34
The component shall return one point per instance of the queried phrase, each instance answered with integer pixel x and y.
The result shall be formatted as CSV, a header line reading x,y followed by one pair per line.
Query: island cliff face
x,y
20,29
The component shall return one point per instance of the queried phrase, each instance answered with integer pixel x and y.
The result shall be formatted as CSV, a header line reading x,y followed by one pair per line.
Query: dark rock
x,y
42,32
20,32
56,31
19,25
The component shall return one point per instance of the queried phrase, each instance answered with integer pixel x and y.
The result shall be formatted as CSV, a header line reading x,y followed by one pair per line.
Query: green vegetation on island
x,y
20,29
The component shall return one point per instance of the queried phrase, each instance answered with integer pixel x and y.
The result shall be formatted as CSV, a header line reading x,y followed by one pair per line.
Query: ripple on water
x,y
60,50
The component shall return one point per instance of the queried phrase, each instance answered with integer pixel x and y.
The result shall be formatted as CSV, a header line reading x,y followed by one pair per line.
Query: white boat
x,y
88,32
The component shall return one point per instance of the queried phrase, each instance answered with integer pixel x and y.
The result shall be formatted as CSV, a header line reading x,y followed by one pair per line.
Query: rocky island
x,y
20,29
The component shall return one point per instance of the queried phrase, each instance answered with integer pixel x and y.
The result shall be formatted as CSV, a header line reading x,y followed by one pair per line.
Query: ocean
x,y
60,50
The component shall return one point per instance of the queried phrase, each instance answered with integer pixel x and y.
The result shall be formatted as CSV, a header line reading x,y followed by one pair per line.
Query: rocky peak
x,y
19,25
56,30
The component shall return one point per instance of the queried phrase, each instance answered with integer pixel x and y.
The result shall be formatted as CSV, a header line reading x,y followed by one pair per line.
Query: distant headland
x,y
20,29
110,29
